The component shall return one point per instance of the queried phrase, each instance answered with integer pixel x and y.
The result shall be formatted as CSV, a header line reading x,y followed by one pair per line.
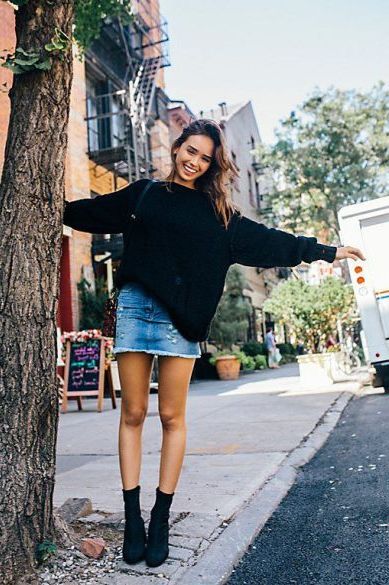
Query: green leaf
x,y
58,44
25,53
45,550
43,65
16,69
25,62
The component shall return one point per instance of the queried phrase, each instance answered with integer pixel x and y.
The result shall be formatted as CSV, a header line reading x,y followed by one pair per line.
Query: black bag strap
x,y
133,215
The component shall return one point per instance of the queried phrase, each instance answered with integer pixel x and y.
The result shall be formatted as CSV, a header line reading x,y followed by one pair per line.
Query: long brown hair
x,y
221,172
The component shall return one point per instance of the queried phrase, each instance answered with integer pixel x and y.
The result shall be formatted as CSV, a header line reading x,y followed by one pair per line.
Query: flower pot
x,y
227,367
318,369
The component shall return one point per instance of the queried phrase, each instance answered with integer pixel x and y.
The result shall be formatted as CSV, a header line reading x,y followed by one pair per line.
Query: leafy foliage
x,y
260,362
254,348
59,42
92,303
311,312
22,61
91,14
332,151
230,322
44,551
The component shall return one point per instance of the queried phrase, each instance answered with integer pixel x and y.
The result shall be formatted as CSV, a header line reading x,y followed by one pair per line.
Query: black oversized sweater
x,y
180,250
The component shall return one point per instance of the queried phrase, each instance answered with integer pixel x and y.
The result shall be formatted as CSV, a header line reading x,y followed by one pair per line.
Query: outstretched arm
x,y
254,244
105,214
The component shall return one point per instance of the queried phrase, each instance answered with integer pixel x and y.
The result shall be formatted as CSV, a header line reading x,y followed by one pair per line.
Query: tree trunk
x,y
31,208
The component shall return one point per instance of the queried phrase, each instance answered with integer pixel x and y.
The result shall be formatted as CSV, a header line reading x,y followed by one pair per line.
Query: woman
x,y
186,235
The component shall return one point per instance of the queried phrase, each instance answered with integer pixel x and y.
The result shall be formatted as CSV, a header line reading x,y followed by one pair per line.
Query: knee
x,y
172,421
133,417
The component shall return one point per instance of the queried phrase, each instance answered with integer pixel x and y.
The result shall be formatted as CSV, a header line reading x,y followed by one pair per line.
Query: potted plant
x,y
227,364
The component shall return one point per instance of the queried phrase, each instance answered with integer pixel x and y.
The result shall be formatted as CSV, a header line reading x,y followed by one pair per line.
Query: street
x,y
333,526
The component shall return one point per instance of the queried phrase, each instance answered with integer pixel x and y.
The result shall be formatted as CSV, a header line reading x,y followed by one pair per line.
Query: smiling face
x,y
193,159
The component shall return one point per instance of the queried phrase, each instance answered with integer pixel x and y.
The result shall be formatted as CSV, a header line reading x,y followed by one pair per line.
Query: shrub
x,y
254,348
286,348
247,363
260,362
287,358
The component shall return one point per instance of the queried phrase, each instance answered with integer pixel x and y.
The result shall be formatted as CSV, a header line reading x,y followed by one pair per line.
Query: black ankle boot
x,y
158,533
134,544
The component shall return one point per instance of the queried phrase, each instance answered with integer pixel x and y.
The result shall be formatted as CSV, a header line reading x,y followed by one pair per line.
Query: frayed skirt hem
x,y
154,352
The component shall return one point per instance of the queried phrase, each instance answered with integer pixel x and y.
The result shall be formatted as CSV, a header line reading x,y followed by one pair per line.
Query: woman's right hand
x,y
349,252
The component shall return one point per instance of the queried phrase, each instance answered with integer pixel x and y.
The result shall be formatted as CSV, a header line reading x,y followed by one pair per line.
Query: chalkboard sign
x,y
85,372
84,365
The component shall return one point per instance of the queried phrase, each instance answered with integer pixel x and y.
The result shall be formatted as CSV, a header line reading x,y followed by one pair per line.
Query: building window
x,y
105,116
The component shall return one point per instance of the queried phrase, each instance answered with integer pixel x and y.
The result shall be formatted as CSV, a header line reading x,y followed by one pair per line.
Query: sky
x,y
274,52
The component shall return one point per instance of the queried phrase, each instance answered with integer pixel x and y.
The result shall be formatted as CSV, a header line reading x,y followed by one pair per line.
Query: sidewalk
x,y
241,433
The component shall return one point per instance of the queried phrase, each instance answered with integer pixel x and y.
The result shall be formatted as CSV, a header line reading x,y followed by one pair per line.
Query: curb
x,y
216,564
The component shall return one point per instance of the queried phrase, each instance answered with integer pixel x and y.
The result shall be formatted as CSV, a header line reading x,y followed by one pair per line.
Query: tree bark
x,y
31,208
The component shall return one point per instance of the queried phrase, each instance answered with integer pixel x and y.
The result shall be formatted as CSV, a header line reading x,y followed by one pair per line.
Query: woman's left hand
x,y
349,252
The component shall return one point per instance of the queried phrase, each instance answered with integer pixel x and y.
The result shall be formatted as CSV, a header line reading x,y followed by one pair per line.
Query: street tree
x,y
312,312
31,209
333,150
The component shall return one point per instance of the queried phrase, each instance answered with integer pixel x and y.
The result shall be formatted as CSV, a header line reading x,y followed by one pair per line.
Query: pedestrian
x,y
271,347
185,236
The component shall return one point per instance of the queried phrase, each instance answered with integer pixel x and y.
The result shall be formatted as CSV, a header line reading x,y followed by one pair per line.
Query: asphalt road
x,y
333,526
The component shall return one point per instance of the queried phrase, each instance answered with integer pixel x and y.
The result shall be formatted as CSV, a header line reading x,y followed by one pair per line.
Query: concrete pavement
x,y
241,434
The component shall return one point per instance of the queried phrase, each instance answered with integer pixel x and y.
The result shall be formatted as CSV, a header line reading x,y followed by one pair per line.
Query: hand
x,y
349,252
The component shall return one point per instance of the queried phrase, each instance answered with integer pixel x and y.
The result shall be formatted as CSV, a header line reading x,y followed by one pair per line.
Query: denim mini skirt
x,y
143,324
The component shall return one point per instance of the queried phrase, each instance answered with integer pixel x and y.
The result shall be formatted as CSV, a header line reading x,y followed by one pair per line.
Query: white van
x,y
366,226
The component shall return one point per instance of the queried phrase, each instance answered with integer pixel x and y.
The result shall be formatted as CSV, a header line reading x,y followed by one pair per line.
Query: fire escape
x,y
119,121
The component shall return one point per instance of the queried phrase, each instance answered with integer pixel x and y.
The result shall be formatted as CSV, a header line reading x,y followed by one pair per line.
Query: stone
x,y
180,554
201,525
167,569
113,520
93,547
191,542
134,580
74,508
94,518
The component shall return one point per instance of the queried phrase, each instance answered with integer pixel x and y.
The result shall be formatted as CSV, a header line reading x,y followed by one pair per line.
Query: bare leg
x,y
173,383
134,373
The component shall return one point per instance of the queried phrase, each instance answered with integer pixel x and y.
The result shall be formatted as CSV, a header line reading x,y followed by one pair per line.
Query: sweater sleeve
x,y
105,214
254,244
